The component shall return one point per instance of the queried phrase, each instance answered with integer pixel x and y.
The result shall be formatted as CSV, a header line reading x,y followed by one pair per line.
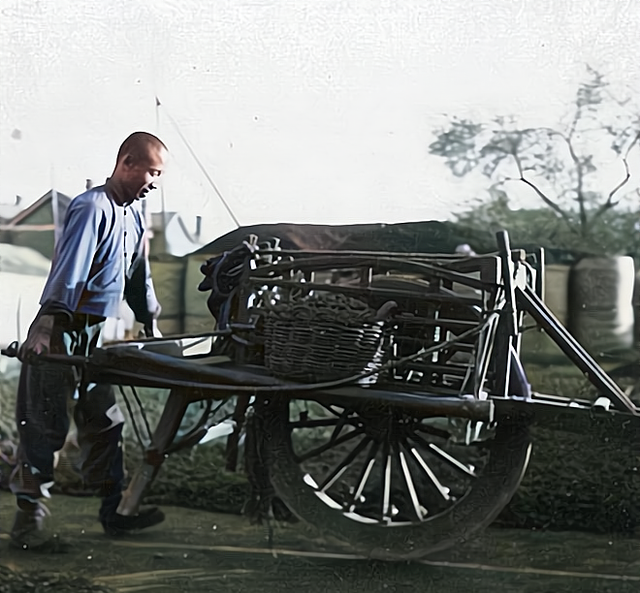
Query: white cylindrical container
x,y
601,314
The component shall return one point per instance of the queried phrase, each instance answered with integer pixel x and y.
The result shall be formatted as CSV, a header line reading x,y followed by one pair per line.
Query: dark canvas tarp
x,y
424,237
430,236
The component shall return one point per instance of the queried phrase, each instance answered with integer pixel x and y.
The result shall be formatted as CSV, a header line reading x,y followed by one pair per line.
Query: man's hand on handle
x,y
38,339
151,328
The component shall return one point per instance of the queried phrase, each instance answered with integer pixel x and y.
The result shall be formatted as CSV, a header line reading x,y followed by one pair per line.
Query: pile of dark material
x,y
28,582
197,479
588,481
581,477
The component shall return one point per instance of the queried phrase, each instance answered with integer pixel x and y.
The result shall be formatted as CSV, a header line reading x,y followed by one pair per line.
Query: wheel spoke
x,y
331,409
444,456
452,461
442,490
341,419
341,423
218,407
417,507
364,476
333,443
343,465
392,484
386,481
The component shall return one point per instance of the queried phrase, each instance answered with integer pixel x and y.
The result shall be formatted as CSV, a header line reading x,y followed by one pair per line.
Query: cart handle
x,y
12,350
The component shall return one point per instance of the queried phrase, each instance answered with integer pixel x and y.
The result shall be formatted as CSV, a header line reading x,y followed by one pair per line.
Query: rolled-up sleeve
x,y
140,292
152,299
74,257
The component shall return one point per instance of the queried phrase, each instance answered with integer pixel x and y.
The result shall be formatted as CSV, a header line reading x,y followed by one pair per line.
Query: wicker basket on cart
x,y
323,337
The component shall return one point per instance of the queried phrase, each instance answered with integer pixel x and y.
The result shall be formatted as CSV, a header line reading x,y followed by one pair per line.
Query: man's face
x,y
140,174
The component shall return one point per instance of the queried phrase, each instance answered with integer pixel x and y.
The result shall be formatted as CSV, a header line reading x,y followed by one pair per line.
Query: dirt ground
x,y
205,552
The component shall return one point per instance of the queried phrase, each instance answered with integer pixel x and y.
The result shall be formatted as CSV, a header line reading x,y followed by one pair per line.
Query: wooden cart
x,y
386,399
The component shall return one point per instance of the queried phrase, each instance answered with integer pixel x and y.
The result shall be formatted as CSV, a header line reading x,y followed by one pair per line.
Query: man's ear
x,y
128,161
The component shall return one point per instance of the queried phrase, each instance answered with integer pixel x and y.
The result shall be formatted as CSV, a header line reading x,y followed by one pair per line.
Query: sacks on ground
x,y
196,324
195,302
170,325
536,343
636,308
601,315
168,281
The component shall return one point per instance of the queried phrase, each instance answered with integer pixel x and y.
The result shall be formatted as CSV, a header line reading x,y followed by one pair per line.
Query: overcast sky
x,y
316,111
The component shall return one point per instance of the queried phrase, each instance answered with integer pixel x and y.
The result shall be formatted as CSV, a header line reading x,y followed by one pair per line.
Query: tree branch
x,y
610,203
574,122
548,201
579,189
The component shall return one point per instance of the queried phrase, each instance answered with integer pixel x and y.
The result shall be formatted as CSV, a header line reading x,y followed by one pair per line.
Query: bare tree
x,y
560,166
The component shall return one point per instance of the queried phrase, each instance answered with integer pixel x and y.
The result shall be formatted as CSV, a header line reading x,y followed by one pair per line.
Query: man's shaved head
x,y
141,160
137,145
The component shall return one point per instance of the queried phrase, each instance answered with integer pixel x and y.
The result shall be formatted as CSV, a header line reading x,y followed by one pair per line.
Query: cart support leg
x,y
163,436
233,439
531,303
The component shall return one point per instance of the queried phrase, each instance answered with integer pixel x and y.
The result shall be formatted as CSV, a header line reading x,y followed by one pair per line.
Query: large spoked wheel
x,y
392,485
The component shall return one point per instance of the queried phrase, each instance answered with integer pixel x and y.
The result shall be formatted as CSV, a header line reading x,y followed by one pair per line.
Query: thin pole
x,y
56,213
162,197
202,168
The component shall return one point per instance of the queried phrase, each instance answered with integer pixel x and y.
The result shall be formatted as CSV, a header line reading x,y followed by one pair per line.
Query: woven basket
x,y
323,338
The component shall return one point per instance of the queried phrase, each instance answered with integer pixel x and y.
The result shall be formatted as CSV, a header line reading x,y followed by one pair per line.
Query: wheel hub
x,y
387,424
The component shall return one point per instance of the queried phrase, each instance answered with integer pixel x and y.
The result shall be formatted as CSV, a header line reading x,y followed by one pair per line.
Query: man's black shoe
x,y
28,532
117,524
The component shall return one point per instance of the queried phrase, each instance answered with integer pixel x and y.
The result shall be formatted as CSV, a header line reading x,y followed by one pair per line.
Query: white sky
x,y
316,111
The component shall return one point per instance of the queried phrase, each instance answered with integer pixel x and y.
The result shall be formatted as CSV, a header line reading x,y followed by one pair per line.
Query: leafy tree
x,y
614,232
560,166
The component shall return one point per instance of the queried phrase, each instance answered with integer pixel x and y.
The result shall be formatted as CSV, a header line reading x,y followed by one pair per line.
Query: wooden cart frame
x,y
419,457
